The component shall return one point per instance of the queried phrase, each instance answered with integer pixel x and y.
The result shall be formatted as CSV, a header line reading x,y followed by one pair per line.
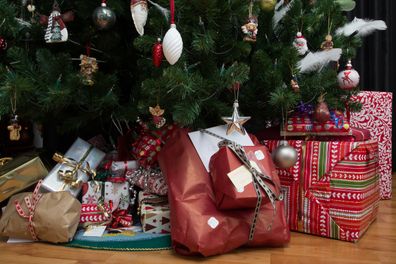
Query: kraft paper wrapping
x,y
55,219
76,152
19,174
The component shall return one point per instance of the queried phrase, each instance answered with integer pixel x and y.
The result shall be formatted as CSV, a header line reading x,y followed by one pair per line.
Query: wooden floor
x,y
377,246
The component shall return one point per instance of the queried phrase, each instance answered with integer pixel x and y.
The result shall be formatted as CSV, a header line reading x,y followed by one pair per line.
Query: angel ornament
x,y
14,128
250,29
328,43
157,113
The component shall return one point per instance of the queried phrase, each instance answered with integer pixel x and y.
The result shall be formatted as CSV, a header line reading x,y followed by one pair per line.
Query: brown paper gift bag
x,y
51,217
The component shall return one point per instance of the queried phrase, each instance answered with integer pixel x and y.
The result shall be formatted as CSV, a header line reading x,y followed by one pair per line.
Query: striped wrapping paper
x,y
333,189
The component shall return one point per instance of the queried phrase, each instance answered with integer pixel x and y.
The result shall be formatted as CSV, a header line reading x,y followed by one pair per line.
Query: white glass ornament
x,y
139,12
301,44
349,78
172,45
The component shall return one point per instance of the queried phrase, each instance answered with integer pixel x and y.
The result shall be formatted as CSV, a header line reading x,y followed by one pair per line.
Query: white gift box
x,y
81,152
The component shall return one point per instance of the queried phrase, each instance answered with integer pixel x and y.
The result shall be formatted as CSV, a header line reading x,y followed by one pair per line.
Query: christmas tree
x,y
199,88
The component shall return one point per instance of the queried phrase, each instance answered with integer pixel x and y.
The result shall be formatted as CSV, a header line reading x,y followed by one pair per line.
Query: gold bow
x,y
69,176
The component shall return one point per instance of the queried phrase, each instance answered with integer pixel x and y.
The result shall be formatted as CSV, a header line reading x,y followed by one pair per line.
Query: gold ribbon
x,y
70,176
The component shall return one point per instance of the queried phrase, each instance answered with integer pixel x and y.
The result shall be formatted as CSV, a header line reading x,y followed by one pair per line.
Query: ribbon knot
x,y
31,205
70,175
259,180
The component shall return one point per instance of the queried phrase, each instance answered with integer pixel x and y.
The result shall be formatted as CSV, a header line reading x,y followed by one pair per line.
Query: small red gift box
x,y
233,183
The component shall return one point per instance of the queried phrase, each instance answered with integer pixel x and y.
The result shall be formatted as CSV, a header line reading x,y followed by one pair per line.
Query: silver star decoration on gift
x,y
235,122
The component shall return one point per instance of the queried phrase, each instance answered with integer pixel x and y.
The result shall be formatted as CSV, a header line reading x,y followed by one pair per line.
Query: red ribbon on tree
x,y
31,204
172,11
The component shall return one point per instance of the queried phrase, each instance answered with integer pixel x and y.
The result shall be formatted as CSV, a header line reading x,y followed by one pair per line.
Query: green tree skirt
x,y
123,242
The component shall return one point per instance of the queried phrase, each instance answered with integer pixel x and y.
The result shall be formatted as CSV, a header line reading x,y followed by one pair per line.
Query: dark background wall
x,y
376,60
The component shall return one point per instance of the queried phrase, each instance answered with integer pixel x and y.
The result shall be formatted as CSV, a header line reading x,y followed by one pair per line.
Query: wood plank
x,y
377,246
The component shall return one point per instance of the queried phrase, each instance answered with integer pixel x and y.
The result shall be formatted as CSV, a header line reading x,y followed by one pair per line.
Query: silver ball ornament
x,y
103,17
284,156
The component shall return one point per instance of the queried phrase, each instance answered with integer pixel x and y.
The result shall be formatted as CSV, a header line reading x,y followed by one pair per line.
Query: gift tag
x,y
95,231
241,177
213,222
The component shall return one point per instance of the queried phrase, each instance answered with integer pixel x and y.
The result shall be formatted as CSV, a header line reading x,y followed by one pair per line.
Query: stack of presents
x,y
209,191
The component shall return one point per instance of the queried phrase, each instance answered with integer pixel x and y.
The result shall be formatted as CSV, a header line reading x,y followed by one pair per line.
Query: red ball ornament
x,y
3,44
322,113
157,53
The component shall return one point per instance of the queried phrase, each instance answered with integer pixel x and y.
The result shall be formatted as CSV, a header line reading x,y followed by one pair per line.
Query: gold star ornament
x,y
235,122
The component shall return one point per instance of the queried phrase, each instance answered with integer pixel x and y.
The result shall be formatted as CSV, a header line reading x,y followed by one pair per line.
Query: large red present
x,y
376,116
233,182
198,227
333,189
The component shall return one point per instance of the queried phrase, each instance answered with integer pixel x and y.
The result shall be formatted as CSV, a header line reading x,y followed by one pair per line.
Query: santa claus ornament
x,y
349,78
139,12
301,44
56,29
172,44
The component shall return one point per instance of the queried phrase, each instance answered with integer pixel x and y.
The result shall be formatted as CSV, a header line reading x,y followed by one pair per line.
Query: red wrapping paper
x,y
226,193
198,227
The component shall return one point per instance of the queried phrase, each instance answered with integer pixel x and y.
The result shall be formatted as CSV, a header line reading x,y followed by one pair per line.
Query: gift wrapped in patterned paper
x,y
119,170
154,213
376,116
118,193
92,192
73,168
333,189
304,125
149,143
150,180
19,173
105,203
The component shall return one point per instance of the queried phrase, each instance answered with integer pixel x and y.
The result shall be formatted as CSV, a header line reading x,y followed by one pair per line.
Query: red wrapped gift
x,y
198,227
376,116
333,189
146,148
233,182
302,125
94,214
